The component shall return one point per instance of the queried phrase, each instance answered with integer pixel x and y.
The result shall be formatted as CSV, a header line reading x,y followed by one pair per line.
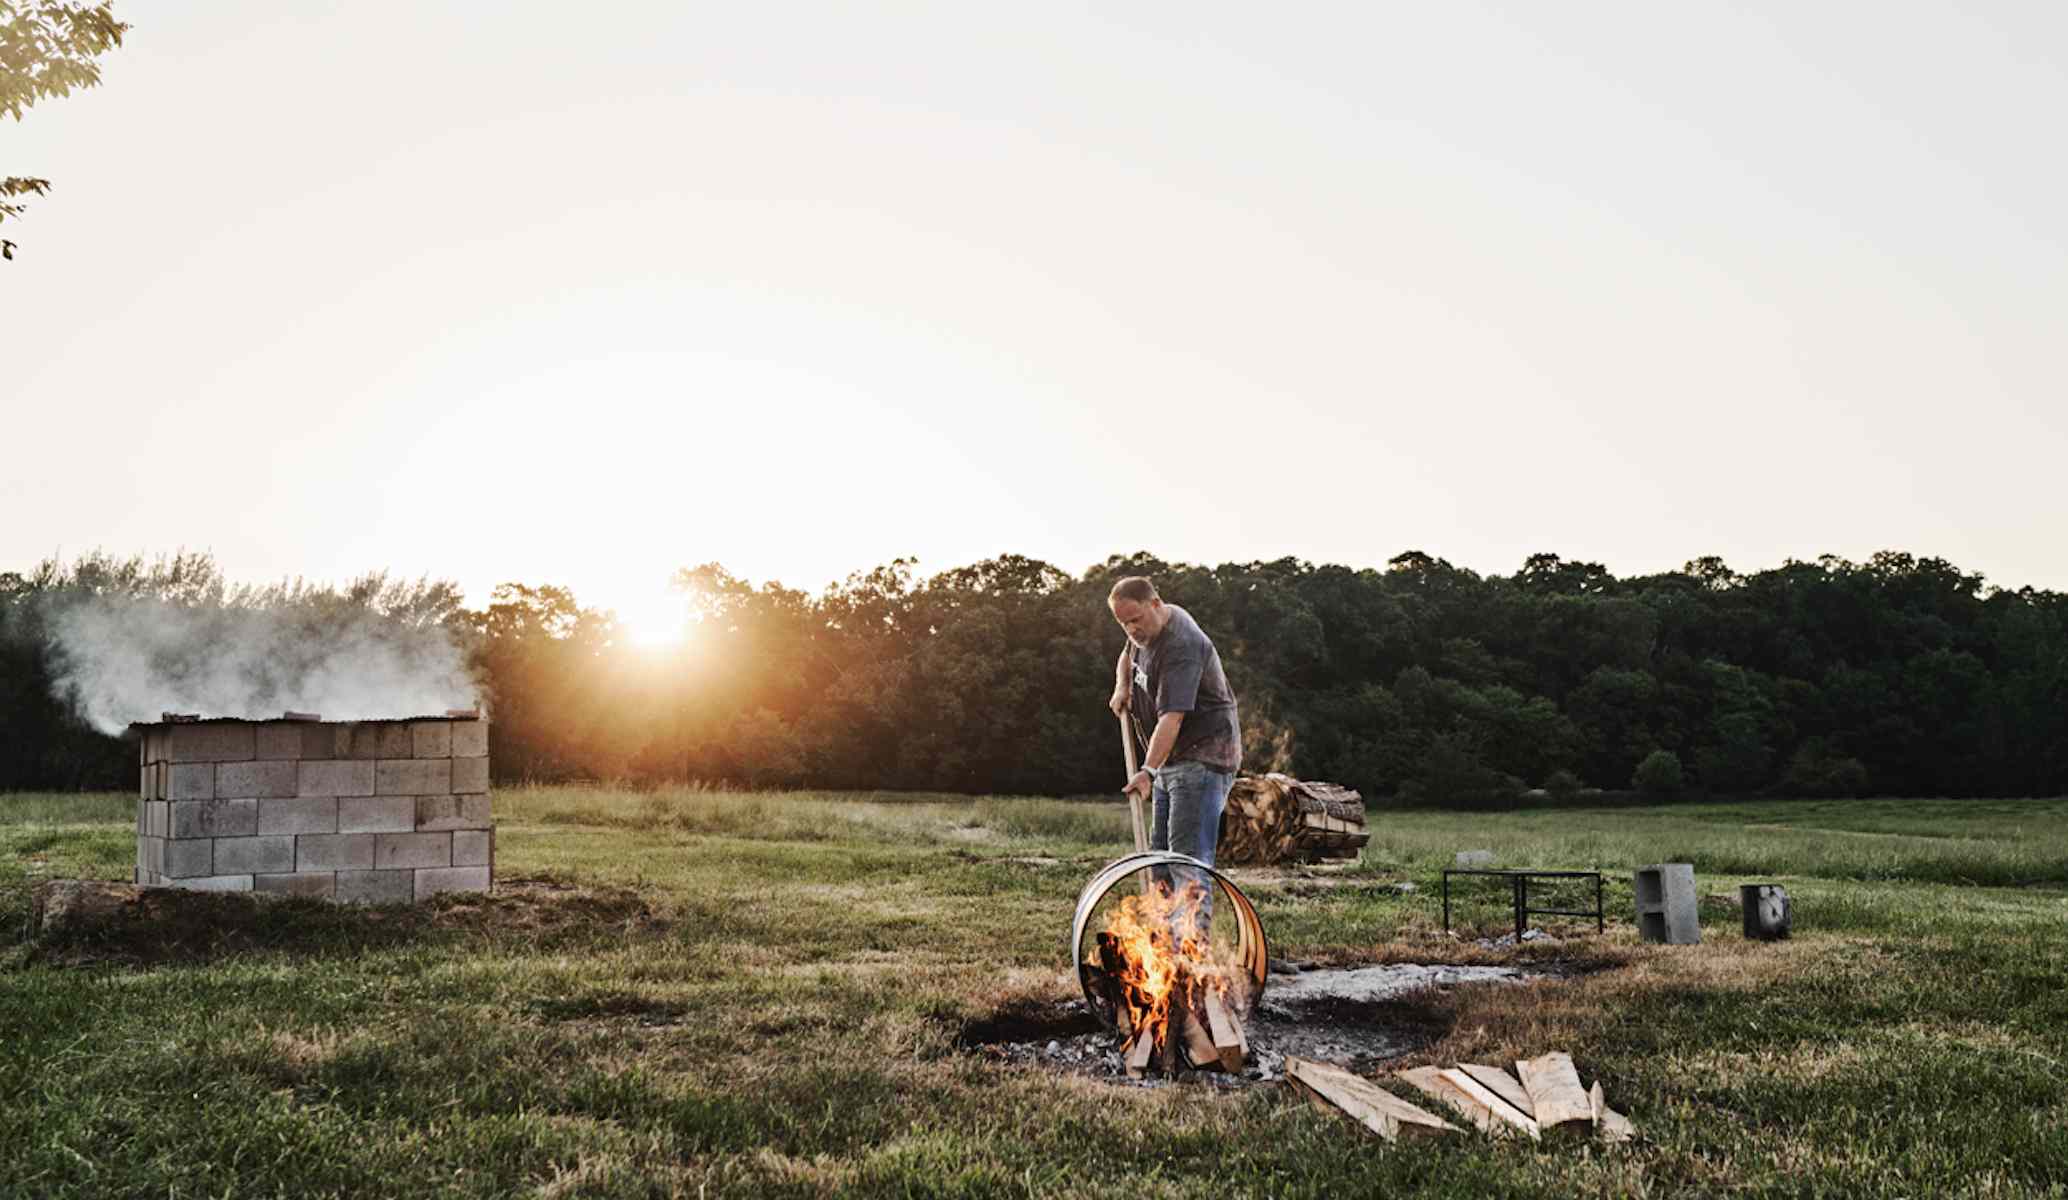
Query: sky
x,y
584,294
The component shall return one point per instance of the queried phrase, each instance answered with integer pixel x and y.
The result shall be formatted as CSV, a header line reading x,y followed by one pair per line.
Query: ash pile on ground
x,y
1356,1017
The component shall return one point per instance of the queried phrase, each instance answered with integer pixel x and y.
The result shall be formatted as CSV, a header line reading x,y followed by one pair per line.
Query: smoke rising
x,y
376,650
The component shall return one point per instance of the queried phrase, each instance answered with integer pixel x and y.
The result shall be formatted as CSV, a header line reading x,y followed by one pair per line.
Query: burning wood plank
x,y
1612,1125
1138,1052
1363,1101
1555,1094
1501,1084
1229,1043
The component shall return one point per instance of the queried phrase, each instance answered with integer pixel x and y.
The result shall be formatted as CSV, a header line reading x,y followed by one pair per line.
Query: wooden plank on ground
x,y
1365,1102
1555,1094
1610,1124
1501,1084
1496,1108
1488,1113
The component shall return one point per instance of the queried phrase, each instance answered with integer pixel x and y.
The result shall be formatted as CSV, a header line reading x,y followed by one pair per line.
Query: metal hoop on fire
x,y
1251,955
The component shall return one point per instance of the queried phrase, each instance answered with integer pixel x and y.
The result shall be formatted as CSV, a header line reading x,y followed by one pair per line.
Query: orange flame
x,y
1151,935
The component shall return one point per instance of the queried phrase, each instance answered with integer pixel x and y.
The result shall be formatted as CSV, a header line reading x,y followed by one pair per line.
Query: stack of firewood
x,y
1547,1095
1276,818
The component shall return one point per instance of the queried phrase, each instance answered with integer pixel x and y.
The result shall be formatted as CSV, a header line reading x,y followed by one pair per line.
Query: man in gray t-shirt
x,y
1169,680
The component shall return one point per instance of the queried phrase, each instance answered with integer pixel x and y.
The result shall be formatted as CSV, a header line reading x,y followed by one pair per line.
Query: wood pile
x,y
1276,819
1547,1095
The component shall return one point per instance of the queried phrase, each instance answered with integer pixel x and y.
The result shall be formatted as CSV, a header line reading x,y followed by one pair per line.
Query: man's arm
x,y
1163,740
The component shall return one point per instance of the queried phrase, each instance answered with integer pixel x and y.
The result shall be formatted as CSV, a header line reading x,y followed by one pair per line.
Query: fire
x,y
1157,947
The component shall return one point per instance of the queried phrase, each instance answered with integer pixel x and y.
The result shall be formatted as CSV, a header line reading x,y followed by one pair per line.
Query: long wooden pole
x,y
1127,749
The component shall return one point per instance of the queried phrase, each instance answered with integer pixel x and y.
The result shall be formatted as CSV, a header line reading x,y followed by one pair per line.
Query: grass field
x,y
707,993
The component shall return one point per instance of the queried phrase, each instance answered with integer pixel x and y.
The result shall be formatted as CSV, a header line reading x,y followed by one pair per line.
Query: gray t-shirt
x,y
1180,671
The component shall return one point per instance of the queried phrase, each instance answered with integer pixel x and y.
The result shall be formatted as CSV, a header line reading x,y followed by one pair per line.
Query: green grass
x,y
758,994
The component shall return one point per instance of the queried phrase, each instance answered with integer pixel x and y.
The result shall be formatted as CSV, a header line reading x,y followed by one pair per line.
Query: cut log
x,y
1501,1084
1226,1031
1555,1094
1610,1124
1138,1051
1488,1113
1365,1102
1276,818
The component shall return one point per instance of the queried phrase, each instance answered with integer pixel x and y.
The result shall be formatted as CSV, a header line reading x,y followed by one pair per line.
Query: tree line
x,y
1422,681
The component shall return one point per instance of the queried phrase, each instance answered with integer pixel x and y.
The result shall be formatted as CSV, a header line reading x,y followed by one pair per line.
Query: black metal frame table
x,y
1523,911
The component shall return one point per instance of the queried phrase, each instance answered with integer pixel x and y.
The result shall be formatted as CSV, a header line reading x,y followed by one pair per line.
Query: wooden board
x,y
1501,1084
1226,1032
1555,1094
1138,1053
1610,1124
1365,1102
1500,1110
1488,1113
1200,1049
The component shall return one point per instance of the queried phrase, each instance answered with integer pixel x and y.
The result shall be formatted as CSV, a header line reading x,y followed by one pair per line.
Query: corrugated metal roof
x,y
140,726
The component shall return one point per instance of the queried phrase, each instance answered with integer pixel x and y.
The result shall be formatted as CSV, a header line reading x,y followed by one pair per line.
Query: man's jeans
x,y
1189,797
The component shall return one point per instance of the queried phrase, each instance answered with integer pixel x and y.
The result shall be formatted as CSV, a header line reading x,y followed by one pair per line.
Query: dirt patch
x,y
163,926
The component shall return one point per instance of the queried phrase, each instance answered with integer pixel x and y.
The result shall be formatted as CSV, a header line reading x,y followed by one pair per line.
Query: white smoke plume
x,y
378,649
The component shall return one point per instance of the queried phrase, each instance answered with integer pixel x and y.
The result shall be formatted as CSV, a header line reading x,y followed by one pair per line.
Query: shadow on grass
x,y
168,927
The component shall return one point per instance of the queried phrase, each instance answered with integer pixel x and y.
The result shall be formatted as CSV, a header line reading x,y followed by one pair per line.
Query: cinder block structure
x,y
367,811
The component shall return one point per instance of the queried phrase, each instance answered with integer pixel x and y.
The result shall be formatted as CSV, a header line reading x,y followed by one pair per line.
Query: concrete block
x,y
472,847
450,879
253,855
432,739
320,885
154,855
160,822
154,746
376,814
1769,915
396,740
212,818
452,812
366,741
413,777
469,739
302,814
228,742
235,781
1666,904
155,780
143,817
469,774
143,782
186,860
190,781
323,741
335,778
215,883
392,851
334,852
277,740
376,887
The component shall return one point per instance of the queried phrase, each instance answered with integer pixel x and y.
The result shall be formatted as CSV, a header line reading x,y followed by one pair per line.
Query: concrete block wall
x,y
352,811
